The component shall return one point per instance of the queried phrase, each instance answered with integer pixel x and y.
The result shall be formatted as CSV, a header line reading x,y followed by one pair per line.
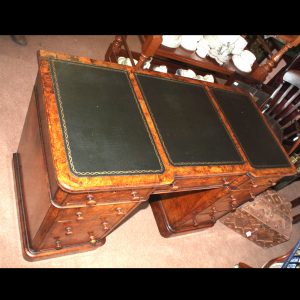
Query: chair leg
x,y
114,49
296,219
285,182
295,202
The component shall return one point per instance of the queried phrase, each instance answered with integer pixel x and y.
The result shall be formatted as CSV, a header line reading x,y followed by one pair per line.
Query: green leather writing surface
x,y
255,138
103,127
188,124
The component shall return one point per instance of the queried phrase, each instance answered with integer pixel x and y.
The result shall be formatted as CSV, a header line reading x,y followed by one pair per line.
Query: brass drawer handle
x,y
90,199
79,216
68,230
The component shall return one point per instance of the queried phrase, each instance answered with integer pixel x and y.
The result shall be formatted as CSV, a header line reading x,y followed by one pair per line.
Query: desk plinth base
x,y
29,253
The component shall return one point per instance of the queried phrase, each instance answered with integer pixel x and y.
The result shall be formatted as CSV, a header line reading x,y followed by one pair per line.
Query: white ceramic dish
x,y
240,64
189,42
171,41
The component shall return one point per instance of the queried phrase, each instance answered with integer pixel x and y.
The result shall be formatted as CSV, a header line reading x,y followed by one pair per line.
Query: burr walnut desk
x,y
99,139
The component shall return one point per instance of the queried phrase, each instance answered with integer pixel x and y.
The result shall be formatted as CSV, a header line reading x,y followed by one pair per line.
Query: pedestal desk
x,y
99,139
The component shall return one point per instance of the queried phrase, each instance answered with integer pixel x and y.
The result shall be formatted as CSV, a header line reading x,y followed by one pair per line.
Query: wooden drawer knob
x,y
90,199
68,230
119,211
93,239
195,223
253,183
105,226
252,197
225,181
174,187
58,245
233,205
79,216
213,218
135,195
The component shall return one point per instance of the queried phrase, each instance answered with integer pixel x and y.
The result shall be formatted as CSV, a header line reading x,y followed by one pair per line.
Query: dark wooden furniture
x,y
175,58
282,110
262,71
99,139
179,57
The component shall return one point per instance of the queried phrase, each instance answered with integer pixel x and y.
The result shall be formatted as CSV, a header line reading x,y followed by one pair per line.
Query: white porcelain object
x,y
213,41
171,41
202,48
248,57
162,69
241,64
147,64
189,42
208,78
186,73
121,60
239,45
125,61
228,39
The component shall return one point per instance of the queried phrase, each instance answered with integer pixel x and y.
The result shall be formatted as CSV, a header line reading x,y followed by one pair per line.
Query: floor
x,y
137,243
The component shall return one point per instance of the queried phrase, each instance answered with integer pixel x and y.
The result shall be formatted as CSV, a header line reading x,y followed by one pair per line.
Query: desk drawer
x,y
253,183
92,199
86,224
96,212
184,184
71,233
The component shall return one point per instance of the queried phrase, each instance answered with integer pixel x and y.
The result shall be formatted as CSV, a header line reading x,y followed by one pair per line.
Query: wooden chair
x,y
282,109
275,262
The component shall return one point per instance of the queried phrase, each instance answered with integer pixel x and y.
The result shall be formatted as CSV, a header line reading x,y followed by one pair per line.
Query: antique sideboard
x,y
99,139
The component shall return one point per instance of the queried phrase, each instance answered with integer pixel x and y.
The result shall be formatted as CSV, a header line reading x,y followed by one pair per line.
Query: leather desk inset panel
x,y
255,138
104,130
187,122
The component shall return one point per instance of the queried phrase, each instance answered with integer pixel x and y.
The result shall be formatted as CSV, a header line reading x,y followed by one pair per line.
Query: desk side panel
x,y
33,171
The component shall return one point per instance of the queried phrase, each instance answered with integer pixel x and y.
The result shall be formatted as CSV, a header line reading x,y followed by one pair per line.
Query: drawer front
x,y
194,223
254,183
85,224
224,205
96,212
91,199
184,184
205,219
71,233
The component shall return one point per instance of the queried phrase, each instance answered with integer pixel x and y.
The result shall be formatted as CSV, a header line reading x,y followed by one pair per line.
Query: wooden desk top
x,y
111,127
